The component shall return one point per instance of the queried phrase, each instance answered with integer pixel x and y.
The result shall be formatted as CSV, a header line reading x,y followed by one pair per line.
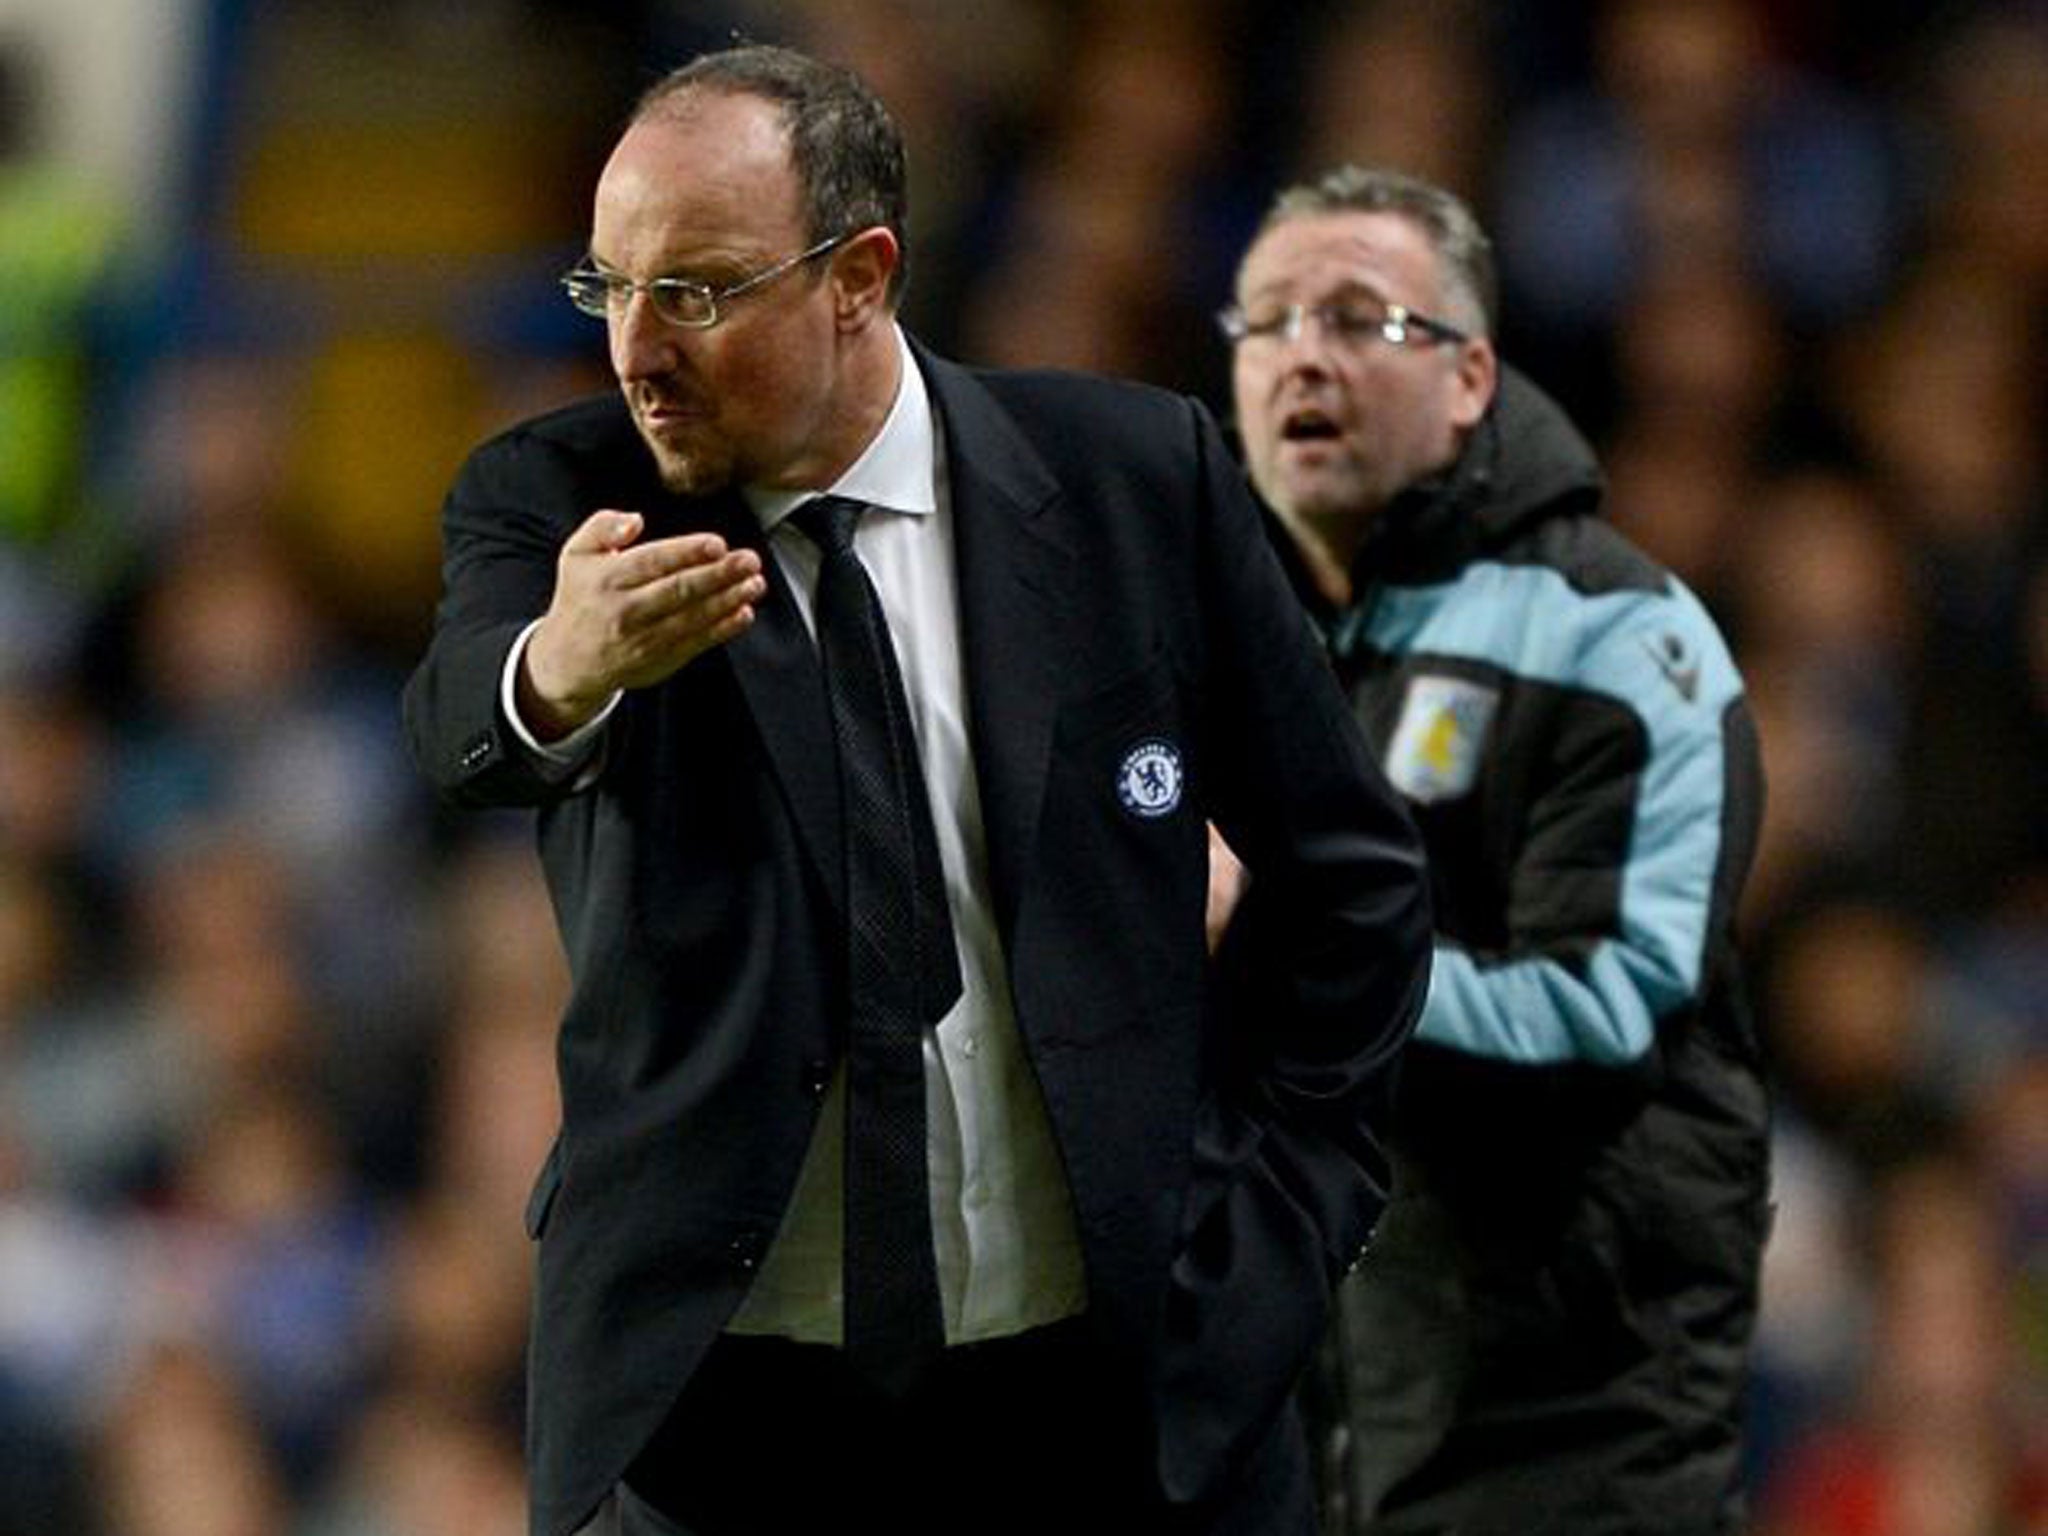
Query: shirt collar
x,y
895,470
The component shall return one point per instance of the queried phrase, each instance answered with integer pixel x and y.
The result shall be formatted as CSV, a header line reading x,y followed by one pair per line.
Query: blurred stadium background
x,y
275,1035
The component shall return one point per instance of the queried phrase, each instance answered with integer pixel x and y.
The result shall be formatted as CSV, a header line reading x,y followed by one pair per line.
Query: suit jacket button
x,y
478,750
817,1078
745,1252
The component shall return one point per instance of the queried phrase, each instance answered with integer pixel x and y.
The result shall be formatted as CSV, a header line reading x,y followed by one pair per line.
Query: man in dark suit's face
x,y
752,351
795,369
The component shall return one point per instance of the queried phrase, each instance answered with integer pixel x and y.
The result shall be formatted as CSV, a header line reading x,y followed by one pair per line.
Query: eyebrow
x,y
679,273
1349,288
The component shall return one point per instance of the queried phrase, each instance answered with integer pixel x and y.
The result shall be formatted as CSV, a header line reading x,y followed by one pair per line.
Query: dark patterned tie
x,y
903,974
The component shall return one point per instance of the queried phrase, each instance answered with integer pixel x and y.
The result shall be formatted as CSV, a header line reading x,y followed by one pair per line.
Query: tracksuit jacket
x,y
1549,1331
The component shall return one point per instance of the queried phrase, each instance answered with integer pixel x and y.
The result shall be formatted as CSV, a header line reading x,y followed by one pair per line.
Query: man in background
x,y
1549,1331
916,1175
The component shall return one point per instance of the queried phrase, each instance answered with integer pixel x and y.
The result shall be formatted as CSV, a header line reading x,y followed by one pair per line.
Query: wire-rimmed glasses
x,y
681,301
1350,320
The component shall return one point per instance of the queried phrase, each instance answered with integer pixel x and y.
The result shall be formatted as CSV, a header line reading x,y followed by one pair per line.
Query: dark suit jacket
x,y
1220,1142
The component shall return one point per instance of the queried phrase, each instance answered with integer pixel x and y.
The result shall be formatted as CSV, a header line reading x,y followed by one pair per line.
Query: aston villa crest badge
x,y
1441,738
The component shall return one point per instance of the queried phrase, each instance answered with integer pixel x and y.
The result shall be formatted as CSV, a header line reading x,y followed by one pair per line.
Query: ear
x,y
1478,375
861,269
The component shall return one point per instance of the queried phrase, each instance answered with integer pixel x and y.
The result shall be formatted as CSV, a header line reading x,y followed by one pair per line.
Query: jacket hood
x,y
1539,464
1525,462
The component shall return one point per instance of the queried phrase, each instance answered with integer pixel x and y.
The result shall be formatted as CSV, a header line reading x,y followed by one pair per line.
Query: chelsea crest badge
x,y
1149,779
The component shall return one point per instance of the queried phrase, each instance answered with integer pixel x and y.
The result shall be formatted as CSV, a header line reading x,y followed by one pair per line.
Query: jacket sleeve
x,y
1629,853
502,527
1325,968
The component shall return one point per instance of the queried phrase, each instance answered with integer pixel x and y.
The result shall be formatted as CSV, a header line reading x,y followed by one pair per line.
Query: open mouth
x,y
1308,425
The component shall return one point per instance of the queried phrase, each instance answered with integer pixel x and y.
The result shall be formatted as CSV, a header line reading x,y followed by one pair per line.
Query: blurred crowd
x,y
276,1033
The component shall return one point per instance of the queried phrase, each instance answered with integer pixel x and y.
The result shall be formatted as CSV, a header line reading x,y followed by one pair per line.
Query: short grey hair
x,y
845,146
1461,246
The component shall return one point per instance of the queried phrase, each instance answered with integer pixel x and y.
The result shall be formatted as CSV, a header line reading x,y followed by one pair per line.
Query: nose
x,y
1302,328
1302,343
642,343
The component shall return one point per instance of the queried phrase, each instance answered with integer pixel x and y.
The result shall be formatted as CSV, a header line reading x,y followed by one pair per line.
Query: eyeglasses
x,y
681,302
1348,321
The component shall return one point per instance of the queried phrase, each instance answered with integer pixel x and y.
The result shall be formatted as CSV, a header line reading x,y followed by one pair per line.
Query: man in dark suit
x,y
1138,1170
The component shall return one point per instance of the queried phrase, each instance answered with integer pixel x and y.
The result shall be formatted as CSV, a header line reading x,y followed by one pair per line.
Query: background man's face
x,y
1335,427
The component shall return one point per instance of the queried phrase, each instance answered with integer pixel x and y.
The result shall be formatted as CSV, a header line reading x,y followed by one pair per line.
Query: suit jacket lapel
x,y
1014,571
776,666
1014,568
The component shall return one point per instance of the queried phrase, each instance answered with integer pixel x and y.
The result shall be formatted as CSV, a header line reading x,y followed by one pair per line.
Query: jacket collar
x,y
1524,463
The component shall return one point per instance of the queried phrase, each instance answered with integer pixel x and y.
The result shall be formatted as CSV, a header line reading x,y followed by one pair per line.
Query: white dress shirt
x,y
1009,1256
